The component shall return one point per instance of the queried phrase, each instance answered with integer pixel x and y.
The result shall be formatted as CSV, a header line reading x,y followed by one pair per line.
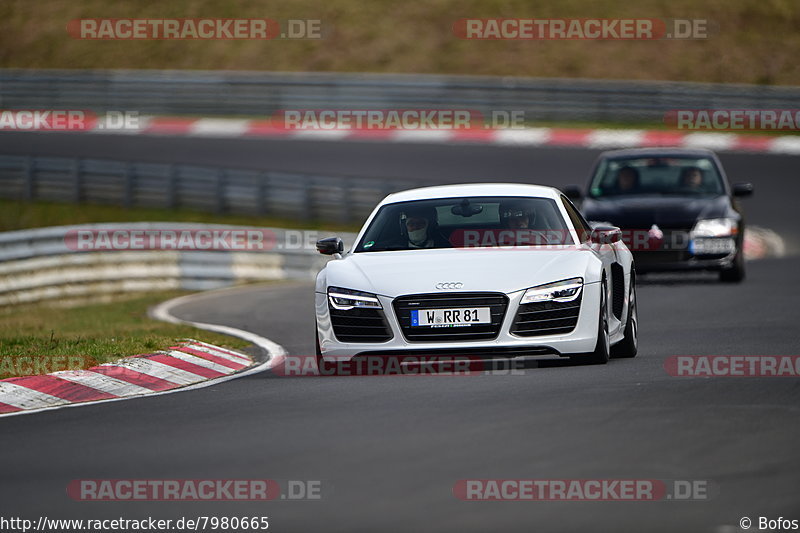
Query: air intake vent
x,y
360,325
546,318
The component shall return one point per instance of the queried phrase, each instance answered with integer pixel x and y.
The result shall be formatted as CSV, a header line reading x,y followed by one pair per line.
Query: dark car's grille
x,y
360,325
646,258
546,318
496,302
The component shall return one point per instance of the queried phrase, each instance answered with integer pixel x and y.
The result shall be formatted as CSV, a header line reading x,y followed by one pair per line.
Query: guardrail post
x,y
262,193
346,215
77,191
172,187
221,181
308,199
30,178
128,176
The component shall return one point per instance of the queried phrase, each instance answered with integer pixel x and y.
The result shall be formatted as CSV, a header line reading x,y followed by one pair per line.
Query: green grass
x,y
57,337
756,42
15,215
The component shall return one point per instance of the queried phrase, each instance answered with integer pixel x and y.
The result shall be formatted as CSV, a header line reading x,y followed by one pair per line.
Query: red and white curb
x,y
187,366
563,137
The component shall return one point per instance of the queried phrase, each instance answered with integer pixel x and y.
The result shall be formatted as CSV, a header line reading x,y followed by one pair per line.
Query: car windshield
x,y
656,175
464,223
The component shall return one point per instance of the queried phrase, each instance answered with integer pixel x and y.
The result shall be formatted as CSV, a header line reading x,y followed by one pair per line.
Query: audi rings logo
x,y
449,285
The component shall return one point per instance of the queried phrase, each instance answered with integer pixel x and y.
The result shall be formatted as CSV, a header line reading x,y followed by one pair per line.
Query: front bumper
x,y
581,339
683,259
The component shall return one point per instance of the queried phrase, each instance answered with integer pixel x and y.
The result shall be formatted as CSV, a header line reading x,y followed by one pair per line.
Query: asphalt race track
x,y
389,450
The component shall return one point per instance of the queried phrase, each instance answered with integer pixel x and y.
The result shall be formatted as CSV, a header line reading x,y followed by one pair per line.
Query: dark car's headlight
x,y
715,227
346,299
560,291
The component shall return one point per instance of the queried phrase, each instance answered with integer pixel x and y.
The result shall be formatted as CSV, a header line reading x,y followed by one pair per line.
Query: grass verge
x,y
47,337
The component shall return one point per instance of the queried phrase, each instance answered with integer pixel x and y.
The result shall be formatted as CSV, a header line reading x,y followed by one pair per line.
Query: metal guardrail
x,y
264,93
38,264
304,197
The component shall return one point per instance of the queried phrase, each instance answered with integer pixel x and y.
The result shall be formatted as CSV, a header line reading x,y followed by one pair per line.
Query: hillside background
x,y
758,40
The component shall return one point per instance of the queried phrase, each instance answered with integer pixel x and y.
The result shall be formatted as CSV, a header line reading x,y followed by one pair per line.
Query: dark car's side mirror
x,y
606,235
742,189
330,246
573,192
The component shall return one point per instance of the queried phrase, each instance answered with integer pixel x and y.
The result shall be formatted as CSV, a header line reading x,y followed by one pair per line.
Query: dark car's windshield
x,y
466,222
656,175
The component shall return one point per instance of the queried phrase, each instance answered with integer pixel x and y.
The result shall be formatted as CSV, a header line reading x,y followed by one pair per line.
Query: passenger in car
x,y
517,215
526,229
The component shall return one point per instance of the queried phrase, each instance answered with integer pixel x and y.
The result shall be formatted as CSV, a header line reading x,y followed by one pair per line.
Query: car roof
x,y
657,152
472,189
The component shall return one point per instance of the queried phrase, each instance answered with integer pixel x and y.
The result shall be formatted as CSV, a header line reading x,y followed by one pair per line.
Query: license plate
x,y
451,318
712,246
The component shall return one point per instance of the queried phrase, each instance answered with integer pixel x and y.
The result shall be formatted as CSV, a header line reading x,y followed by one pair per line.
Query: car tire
x,y
629,345
602,349
321,366
735,273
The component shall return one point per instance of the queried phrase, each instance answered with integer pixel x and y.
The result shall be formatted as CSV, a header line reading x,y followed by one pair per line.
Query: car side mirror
x,y
330,246
742,189
573,192
606,235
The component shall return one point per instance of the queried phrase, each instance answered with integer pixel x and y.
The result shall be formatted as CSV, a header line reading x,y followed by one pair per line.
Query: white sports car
x,y
483,270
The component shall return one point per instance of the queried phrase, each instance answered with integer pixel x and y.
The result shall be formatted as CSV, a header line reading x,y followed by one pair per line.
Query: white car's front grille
x,y
496,302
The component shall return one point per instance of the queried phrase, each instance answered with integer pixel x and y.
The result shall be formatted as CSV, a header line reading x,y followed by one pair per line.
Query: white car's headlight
x,y
560,291
715,227
346,299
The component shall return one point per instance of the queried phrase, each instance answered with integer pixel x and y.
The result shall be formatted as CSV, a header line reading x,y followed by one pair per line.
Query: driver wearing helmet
x,y
420,227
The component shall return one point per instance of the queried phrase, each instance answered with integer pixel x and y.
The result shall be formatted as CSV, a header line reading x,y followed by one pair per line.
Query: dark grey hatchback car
x,y
674,205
